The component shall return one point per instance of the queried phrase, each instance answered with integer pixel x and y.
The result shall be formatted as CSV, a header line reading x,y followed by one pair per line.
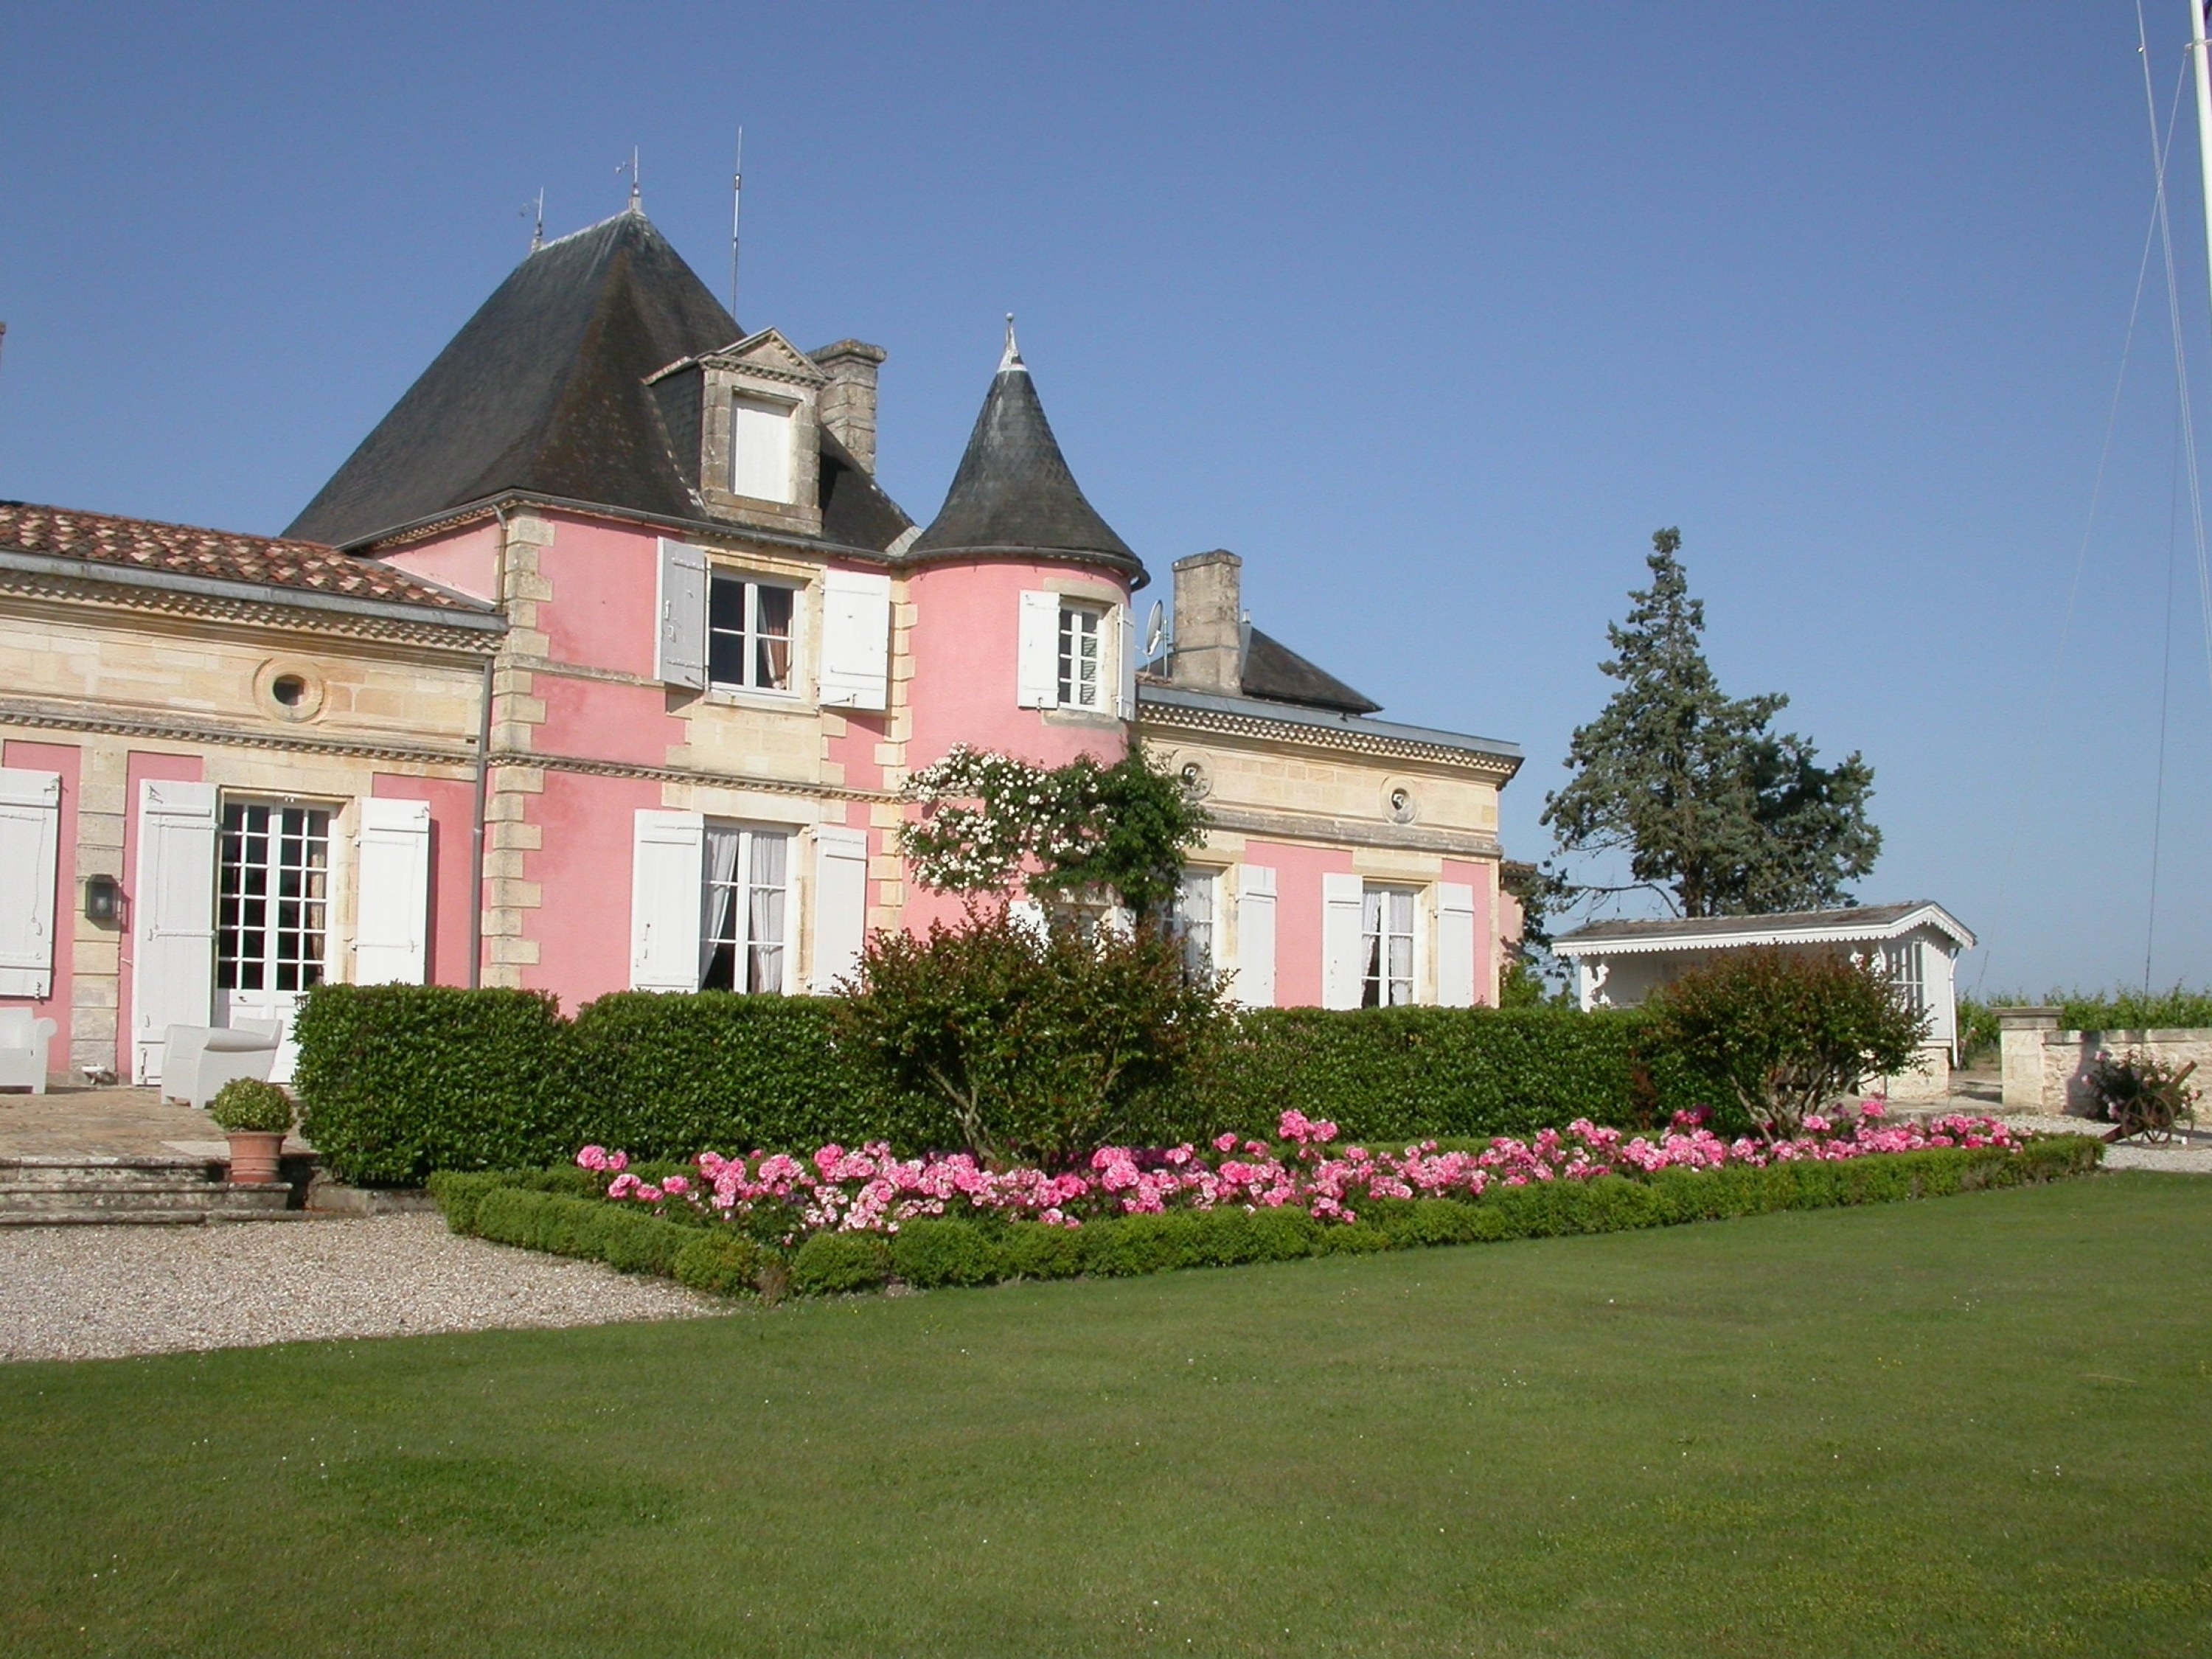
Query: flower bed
x,y
669,1221
779,1200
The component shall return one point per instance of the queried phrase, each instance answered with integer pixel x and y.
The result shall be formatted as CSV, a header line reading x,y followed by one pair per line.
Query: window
x,y
1907,968
1386,917
1081,641
748,634
760,449
272,897
1190,920
743,927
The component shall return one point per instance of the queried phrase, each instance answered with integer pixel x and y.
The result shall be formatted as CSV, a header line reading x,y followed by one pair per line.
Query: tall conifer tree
x,y
1714,810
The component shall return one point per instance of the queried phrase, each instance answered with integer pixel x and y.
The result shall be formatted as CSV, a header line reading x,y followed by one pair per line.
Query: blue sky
x,y
1434,314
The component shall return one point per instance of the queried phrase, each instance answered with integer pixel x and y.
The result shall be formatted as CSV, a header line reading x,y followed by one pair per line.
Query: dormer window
x,y
760,449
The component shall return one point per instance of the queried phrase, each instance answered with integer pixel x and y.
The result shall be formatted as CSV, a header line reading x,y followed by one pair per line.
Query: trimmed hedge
x,y
398,1081
517,1209
1406,1074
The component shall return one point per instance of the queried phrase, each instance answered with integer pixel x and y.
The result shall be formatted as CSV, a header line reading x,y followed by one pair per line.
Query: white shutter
x,y
392,909
856,639
1027,914
1341,941
1036,672
680,656
1125,636
760,449
30,834
667,887
1454,945
1255,936
173,906
841,903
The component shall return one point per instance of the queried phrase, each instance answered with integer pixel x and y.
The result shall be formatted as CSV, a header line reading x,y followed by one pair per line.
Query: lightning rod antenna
x,y
737,210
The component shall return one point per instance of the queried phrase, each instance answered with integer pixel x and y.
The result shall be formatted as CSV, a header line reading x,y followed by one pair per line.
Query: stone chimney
x,y
848,402
1209,623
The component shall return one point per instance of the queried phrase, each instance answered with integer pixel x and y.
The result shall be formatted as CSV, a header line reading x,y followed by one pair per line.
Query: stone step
x,y
71,1170
215,1204
59,1190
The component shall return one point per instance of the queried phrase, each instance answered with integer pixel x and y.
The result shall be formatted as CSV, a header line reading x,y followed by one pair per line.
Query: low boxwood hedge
x,y
398,1081
541,1210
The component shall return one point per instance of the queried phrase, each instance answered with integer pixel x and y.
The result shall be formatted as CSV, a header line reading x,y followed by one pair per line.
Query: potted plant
x,y
256,1116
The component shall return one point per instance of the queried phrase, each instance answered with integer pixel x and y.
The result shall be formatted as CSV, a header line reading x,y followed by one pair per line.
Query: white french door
x,y
272,914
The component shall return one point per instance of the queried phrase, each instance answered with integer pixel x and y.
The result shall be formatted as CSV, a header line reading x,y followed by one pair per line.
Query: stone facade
x,y
2046,1068
108,685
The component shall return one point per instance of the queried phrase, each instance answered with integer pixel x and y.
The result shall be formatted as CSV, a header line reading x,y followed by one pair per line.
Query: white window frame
x,y
309,958
1070,690
749,634
1378,983
1194,919
745,882
1908,970
743,477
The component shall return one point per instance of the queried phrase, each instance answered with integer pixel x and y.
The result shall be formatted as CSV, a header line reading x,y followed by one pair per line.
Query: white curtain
x,y
764,899
721,895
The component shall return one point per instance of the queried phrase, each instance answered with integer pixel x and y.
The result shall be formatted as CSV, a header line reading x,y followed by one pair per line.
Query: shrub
x,y
249,1105
829,1263
1040,1041
1400,1075
399,1080
720,1263
592,1228
670,1075
1781,1032
932,1253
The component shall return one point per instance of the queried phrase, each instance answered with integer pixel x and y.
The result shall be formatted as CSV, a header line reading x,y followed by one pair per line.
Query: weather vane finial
x,y
1012,359
636,196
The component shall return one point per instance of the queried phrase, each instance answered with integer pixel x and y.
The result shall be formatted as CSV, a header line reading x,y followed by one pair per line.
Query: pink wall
x,y
467,560
452,823
1480,877
583,871
598,721
604,609
966,642
65,759
1298,870
174,769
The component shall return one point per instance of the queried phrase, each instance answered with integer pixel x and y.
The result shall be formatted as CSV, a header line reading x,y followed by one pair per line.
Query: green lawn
x,y
1975,1426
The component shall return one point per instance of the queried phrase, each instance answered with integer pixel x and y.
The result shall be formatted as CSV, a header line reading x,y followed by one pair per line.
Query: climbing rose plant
x,y
989,821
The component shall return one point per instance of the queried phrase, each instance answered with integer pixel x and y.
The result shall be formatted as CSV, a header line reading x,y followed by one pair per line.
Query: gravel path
x,y
2175,1157
102,1292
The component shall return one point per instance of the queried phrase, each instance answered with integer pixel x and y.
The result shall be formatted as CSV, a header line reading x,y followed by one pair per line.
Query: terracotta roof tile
x,y
214,555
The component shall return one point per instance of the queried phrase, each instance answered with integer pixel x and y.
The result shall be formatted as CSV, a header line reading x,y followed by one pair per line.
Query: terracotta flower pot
x,y
253,1156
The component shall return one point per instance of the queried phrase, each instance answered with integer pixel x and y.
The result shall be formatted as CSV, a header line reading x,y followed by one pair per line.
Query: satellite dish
x,y
1156,631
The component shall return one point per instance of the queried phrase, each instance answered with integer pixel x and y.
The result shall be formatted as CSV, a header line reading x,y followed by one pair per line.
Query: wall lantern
x,y
103,899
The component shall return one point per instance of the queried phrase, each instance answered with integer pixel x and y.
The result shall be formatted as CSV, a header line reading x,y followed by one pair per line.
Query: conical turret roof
x,y
1013,494
542,389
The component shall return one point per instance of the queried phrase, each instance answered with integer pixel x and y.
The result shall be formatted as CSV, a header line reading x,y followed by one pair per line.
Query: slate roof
x,y
1013,493
1852,921
855,511
175,549
542,390
1275,672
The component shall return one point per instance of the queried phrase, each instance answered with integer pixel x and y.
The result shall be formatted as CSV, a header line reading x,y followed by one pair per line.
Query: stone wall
x,y
2046,1068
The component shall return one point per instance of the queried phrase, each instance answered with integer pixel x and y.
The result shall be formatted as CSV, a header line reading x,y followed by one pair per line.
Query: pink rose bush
x,y
777,1197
